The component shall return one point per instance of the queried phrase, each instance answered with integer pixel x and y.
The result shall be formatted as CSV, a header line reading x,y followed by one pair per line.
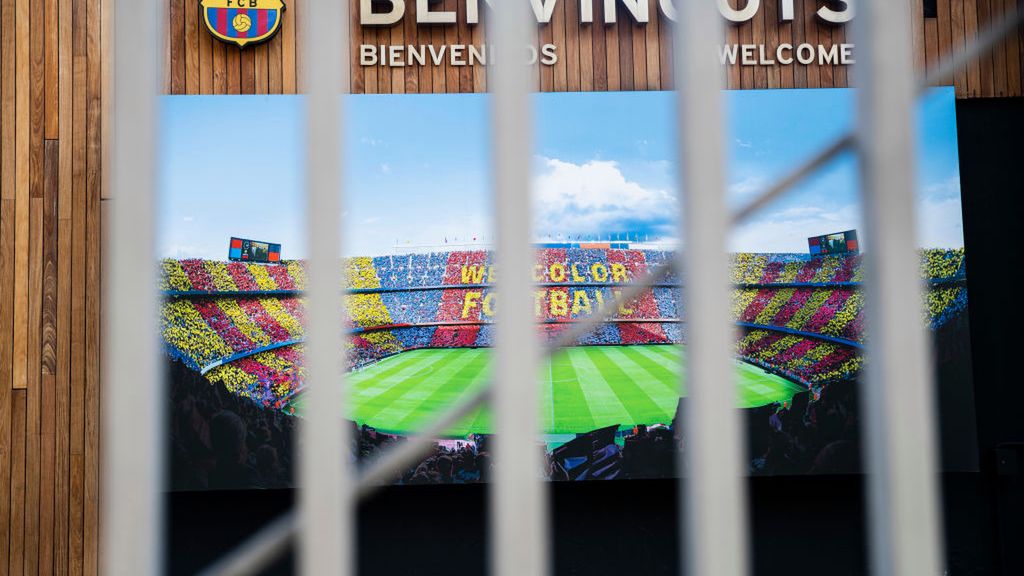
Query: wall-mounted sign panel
x,y
441,46
243,250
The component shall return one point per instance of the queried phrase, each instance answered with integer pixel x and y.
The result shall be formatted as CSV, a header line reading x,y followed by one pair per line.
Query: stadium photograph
x,y
419,268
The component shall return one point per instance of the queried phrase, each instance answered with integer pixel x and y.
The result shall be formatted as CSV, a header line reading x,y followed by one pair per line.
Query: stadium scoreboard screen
x,y
838,243
242,250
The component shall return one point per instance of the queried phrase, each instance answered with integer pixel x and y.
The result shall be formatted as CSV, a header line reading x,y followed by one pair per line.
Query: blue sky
x,y
417,169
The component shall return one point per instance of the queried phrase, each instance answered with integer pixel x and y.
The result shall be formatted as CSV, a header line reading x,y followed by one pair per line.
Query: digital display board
x,y
243,250
837,243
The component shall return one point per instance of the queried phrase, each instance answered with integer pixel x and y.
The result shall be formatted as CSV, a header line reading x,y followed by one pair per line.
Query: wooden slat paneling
x,y
591,57
51,151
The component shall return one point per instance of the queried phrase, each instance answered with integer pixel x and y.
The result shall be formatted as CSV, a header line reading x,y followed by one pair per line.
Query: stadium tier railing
x,y
904,520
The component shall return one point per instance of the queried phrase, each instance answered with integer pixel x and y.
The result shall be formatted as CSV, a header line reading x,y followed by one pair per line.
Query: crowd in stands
x,y
807,360
222,441
414,301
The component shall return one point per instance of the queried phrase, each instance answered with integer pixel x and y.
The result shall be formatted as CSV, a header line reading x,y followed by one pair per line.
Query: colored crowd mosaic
x,y
242,323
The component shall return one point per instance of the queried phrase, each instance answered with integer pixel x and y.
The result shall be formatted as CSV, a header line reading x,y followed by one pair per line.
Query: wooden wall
x,y
592,57
51,87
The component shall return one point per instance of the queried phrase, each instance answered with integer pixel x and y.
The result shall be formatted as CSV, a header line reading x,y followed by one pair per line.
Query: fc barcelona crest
x,y
243,21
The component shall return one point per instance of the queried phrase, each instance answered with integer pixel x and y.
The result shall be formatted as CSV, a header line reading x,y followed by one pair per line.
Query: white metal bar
x,y
899,405
326,506
714,491
518,512
133,395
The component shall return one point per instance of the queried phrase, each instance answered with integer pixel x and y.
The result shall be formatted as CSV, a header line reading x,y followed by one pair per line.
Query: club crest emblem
x,y
242,22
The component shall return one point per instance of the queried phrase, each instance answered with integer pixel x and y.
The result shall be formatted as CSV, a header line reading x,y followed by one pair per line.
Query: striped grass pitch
x,y
583,388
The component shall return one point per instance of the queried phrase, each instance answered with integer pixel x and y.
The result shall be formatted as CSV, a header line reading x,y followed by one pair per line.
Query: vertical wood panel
x,y
438,72
6,351
205,57
91,409
48,359
65,180
275,76
931,39
571,50
811,36
639,48
451,73
79,144
179,53
32,395
654,50
296,7
665,53
625,28
1012,46
50,31
247,70
288,41
956,26
987,70
410,33
970,33
999,53
398,39
22,78
191,39
560,76
16,551
611,43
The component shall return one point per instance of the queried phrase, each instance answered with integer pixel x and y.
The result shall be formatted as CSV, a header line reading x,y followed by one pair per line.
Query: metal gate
x,y
903,493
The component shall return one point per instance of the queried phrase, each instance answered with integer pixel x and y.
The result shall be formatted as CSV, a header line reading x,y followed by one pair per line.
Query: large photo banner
x,y
419,270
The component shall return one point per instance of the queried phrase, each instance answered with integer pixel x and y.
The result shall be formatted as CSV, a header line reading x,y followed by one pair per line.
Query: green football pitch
x,y
583,388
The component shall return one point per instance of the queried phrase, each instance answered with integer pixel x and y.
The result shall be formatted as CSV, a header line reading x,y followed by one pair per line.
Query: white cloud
x,y
595,198
744,143
943,188
385,168
788,230
187,219
371,142
746,187
940,223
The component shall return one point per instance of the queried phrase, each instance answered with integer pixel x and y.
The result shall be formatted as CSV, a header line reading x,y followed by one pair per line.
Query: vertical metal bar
x,y
899,402
133,462
714,493
326,505
519,522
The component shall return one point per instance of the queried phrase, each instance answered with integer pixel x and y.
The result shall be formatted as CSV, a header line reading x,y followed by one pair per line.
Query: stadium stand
x,y
241,324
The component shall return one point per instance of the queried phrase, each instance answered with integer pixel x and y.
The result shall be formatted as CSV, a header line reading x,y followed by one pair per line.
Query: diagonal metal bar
x,y
259,550
382,470
794,177
983,43
899,403
326,513
713,494
133,394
